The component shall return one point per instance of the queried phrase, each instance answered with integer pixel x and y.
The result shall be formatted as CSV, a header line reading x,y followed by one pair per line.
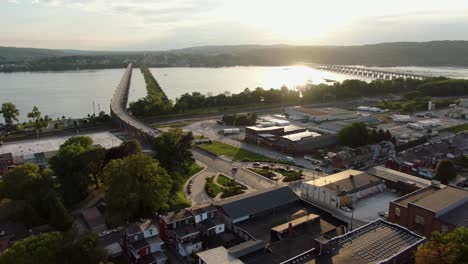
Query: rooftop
x,y
257,202
32,146
301,135
202,209
186,230
93,217
458,217
348,181
434,198
176,216
372,243
140,226
322,111
217,256
396,176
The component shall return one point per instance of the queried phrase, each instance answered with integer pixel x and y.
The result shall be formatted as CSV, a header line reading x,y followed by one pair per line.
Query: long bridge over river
x,y
366,72
118,109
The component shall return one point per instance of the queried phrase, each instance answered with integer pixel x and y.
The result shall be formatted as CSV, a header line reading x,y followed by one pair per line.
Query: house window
x,y
135,237
212,214
397,211
419,220
147,251
186,220
174,225
151,231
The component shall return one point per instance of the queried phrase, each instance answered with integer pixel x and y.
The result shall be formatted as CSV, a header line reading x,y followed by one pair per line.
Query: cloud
x,y
149,11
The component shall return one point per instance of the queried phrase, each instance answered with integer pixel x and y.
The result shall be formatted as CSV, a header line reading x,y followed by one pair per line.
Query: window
x,y
419,220
174,225
397,211
212,214
186,221
135,237
151,231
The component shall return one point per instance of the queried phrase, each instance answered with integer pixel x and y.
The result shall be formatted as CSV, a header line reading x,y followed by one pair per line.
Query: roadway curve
x,y
118,109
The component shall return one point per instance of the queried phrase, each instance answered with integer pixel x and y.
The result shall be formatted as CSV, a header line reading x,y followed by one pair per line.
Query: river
x,y
72,93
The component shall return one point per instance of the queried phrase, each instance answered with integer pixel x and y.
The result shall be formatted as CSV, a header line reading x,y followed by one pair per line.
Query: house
x,y
94,219
184,230
434,208
142,244
376,242
254,134
364,155
6,160
320,114
343,188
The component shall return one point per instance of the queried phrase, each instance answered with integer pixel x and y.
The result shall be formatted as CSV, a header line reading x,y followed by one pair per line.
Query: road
x,y
217,165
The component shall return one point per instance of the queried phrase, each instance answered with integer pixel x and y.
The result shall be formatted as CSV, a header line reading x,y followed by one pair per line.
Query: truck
x,y
230,131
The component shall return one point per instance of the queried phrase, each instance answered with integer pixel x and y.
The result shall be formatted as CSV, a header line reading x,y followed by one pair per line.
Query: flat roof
x,y
397,176
32,146
295,222
434,198
322,111
301,135
371,243
259,128
217,256
348,181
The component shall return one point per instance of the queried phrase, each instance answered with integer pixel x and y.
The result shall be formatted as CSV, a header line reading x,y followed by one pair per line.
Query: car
x,y
234,169
383,214
345,208
318,169
256,164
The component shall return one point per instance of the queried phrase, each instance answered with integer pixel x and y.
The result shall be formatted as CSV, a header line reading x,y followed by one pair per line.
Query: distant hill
x,y
16,54
433,53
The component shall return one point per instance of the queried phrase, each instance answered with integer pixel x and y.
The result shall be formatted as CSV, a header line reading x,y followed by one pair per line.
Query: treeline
x,y
155,101
411,89
434,53
240,120
357,134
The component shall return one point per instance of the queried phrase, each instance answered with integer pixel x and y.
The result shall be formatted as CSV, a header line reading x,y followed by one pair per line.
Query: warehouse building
x,y
320,114
342,188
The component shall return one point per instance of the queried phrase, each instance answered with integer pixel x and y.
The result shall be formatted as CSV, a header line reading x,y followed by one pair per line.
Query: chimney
x,y
290,230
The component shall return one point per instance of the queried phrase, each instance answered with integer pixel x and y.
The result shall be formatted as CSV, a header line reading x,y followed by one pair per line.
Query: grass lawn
x,y
178,198
223,180
234,153
176,124
211,188
265,173
457,129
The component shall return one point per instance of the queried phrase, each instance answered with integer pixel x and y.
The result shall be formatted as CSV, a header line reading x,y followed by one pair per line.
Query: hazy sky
x,y
167,24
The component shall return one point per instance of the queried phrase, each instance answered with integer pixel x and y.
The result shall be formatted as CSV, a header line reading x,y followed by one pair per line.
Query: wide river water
x,y
72,93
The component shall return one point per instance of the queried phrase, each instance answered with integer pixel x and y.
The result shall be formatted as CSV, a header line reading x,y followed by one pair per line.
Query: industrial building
x,y
343,188
320,114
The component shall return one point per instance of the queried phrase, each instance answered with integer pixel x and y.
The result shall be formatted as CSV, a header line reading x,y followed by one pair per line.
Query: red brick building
x,y
434,208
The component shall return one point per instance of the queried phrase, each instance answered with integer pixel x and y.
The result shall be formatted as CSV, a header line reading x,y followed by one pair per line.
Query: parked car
x,y
256,164
345,208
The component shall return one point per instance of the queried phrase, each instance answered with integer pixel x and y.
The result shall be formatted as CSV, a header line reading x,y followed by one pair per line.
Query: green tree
x,y
54,248
137,186
445,171
448,248
173,148
125,149
31,199
10,112
34,114
70,170
354,135
93,162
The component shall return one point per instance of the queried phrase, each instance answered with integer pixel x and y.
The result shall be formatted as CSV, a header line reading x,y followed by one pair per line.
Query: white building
x,y
217,255
342,188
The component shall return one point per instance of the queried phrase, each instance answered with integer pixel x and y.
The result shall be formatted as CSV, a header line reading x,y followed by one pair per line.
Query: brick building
x,y
434,208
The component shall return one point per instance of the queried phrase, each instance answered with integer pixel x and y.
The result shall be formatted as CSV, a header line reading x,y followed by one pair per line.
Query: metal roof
x,y
257,202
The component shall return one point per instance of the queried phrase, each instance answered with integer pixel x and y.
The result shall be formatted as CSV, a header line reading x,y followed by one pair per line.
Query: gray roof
x,y
456,217
246,248
254,203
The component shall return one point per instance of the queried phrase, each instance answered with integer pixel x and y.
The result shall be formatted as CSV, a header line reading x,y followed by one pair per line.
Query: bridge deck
x,y
119,107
